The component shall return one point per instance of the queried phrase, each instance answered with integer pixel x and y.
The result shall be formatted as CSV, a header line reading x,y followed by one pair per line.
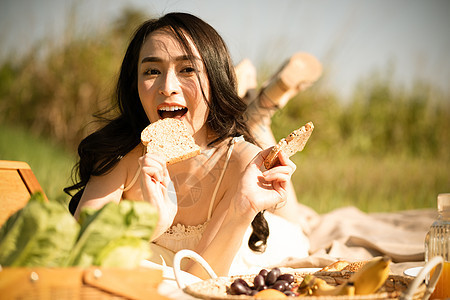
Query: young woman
x,y
178,66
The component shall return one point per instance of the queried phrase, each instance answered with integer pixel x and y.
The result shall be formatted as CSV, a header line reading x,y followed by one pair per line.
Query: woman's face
x,y
168,84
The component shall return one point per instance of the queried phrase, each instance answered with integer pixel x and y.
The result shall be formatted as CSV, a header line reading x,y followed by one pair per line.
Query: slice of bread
x,y
170,138
293,143
343,265
336,266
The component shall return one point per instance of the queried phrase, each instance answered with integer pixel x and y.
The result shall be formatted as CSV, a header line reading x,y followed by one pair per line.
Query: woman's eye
x,y
151,72
188,70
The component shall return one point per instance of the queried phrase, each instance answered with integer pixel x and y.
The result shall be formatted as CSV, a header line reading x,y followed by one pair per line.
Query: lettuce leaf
x,y
45,234
40,234
112,223
124,252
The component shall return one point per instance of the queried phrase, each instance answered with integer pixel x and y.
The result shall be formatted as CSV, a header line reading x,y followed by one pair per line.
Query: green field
x,y
372,184
51,164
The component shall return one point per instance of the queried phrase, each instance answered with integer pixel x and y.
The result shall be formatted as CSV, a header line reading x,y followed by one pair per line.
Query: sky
x,y
352,38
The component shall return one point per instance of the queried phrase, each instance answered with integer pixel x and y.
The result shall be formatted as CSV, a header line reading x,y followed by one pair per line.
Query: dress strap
x,y
133,181
136,176
230,150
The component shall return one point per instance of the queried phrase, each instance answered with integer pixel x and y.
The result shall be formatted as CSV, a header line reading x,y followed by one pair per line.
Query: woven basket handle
x,y
180,255
437,262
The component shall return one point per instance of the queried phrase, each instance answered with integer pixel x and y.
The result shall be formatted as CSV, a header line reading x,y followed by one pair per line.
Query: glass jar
x,y
437,242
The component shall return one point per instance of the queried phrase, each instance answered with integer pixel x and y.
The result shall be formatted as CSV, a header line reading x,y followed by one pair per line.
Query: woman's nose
x,y
170,84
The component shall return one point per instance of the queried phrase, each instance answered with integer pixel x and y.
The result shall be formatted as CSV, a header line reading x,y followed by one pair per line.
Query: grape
x,y
287,277
258,281
273,279
237,288
264,273
280,285
272,276
243,282
287,285
240,287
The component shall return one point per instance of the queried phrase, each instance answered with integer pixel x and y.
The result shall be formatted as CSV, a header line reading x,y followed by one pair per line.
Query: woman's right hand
x,y
155,181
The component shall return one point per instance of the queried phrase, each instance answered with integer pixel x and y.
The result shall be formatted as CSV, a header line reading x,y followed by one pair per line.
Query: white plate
x,y
412,271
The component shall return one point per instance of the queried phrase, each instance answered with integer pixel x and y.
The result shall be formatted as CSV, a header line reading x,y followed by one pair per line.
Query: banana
x,y
348,289
322,288
371,276
364,282
305,287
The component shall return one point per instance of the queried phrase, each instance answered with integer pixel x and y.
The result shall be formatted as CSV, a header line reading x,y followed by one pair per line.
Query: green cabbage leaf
x,y
45,234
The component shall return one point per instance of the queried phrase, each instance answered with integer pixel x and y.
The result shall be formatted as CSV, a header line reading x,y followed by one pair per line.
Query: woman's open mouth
x,y
172,111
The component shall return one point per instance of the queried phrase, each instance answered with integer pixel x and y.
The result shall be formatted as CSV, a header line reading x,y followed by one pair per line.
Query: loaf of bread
x,y
293,143
170,138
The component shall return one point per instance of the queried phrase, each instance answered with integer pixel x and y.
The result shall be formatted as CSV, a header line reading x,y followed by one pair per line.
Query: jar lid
x,y
444,202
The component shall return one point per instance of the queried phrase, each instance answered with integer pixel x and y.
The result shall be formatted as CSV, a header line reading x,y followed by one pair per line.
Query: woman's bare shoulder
x,y
125,168
131,158
109,186
137,152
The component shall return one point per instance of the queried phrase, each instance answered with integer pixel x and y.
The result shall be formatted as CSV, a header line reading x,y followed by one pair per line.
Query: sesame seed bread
x,y
355,266
293,143
170,138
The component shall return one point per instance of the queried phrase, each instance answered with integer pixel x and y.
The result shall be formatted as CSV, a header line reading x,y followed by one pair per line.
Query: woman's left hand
x,y
259,190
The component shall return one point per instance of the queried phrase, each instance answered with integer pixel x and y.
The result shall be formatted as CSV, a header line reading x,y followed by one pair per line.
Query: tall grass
x,y
387,183
49,161
385,149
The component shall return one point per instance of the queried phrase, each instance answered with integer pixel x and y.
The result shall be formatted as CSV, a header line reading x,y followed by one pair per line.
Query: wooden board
x,y
17,183
78,283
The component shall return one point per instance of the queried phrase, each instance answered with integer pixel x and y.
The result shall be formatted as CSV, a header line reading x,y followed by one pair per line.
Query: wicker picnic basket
x,y
78,283
395,287
217,288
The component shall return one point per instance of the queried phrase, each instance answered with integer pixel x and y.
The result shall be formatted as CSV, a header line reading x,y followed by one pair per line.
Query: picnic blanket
x,y
350,234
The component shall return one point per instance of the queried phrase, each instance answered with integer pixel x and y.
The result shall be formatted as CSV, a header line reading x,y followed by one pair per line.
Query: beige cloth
x,y
350,234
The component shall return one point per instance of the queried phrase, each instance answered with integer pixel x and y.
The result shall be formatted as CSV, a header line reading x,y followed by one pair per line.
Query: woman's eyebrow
x,y
178,58
187,57
151,59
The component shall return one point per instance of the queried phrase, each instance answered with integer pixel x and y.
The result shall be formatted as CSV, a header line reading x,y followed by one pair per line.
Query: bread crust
x,y
343,265
336,266
170,138
290,145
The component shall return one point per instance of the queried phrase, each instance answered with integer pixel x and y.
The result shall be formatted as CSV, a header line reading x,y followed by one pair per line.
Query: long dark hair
x,y
102,150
